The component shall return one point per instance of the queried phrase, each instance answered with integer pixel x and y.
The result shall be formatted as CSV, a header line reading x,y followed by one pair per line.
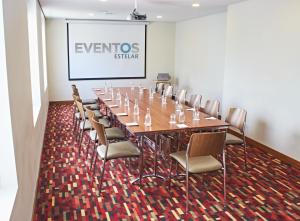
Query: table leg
x,y
141,175
141,163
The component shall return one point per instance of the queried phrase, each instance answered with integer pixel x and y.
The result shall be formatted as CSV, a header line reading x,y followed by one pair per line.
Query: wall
x,y
200,55
27,138
160,58
262,70
8,173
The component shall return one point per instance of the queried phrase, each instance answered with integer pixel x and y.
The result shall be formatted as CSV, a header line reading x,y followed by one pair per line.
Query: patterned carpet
x,y
67,191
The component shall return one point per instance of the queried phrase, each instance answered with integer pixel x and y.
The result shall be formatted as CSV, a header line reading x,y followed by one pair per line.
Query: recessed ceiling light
x,y
91,14
159,16
196,5
103,0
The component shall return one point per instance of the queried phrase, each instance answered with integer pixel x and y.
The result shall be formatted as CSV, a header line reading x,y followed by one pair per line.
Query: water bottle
x,y
136,110
141,90
164,99
105,87
118,97
148,118
151,93
126,101
112,93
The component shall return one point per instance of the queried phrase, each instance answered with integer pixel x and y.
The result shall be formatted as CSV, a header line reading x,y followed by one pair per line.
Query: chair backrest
x,y
168,92
212,107
195,100
80,108
76,98
181,96
75,90
91,116
237,118
205,144
100,130
160,88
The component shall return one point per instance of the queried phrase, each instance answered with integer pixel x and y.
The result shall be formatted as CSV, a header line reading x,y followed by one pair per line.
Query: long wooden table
x,y
160,116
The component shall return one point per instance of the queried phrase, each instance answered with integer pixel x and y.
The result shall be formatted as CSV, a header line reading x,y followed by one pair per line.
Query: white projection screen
x,y
106,50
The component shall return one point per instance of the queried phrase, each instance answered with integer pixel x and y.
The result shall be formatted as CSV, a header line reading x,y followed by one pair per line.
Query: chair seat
x,y
231,139
198,164
114,133
105,122
119,150
88,126
89,101
97,114
92,106
111,133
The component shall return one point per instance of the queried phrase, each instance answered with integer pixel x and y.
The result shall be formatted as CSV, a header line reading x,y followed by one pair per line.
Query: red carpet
x,y
66,191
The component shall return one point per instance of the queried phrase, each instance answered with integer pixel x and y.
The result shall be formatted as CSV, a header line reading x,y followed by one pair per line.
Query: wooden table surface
x,y
160,113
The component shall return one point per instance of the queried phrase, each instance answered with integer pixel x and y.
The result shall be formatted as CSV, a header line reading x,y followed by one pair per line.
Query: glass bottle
x,y
105,87
148,118
136,110
112,93
126,101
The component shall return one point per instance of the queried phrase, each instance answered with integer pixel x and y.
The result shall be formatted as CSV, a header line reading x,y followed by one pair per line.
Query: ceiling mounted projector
x,y
135,15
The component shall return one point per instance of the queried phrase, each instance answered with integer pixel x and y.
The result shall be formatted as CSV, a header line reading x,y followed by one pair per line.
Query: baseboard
x,y
284,158
62,102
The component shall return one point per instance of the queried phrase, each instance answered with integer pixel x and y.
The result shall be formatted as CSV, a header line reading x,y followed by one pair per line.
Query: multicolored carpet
x,y
270,190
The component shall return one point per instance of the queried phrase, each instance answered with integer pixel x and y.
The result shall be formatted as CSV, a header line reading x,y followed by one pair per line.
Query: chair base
x,y
147,175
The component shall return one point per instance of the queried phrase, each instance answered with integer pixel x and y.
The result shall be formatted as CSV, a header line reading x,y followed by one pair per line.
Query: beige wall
x,y
27,138
262,70
200,55
249,58
8,173
160,58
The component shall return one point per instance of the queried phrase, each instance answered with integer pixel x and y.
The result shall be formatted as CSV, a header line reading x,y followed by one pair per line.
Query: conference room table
x,y
160,117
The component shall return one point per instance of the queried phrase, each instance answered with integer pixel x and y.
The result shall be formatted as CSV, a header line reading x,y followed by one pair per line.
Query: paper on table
x,y
107,99
181,125
189,109
101,93
132,124
210,118
122,114
97,89
113,105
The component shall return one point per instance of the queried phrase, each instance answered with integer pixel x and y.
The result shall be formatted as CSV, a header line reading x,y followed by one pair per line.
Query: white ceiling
x,y
170,10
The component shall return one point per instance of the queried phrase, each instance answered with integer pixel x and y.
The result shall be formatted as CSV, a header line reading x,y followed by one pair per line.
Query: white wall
x,y
8,173
27,138
263,70
160,58
200,55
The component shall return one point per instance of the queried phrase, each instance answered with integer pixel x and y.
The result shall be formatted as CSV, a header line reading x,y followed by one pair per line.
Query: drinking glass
x,y
196,114
172,118
181,117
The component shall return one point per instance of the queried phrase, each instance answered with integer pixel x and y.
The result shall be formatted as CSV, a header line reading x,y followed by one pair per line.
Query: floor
x,y
270,190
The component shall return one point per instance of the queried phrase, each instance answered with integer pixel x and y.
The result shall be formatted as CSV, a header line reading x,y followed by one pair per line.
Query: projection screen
x,y
106,50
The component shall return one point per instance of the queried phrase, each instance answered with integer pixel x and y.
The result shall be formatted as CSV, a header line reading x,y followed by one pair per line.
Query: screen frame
x,y
106,78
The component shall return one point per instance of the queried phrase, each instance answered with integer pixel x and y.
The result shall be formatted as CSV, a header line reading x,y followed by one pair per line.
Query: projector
x,y
137,16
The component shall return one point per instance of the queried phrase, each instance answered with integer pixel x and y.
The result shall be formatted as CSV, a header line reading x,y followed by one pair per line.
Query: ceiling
x,y
170,10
